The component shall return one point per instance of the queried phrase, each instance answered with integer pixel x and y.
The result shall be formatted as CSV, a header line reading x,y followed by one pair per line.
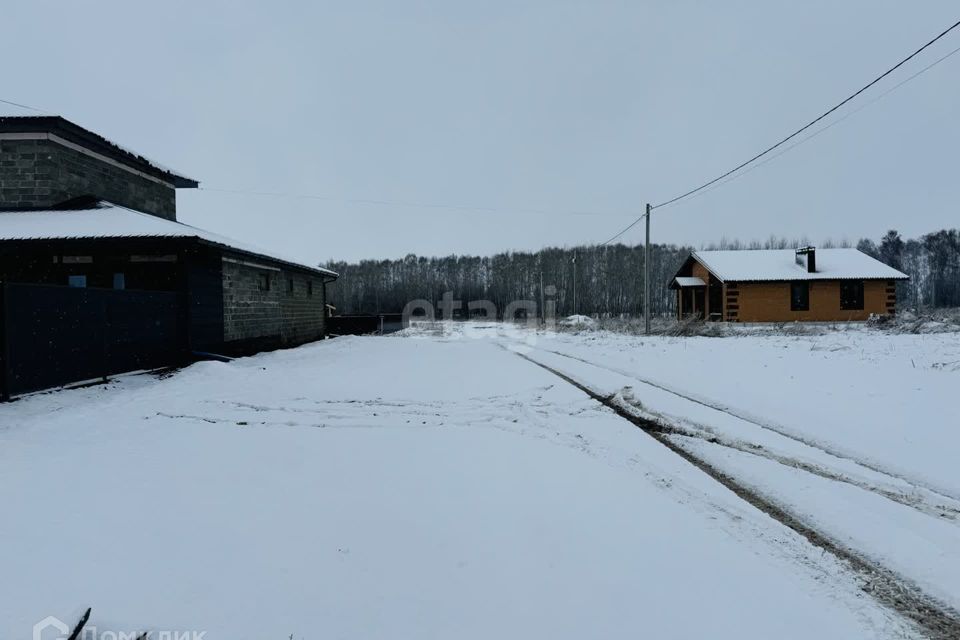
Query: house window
x,y
170,257
851,295
77,281
290,286
309,287
263,282
119,281
77,259
799,296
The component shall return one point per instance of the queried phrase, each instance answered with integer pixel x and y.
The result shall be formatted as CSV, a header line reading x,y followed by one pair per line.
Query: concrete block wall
x,y
43,173
303,308
258,303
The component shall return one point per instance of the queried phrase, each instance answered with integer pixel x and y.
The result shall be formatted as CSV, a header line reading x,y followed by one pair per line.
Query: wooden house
x,y
785,285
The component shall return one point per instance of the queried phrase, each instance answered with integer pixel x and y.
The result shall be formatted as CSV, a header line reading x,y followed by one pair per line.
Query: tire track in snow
x,y
787,434
938,510
890,589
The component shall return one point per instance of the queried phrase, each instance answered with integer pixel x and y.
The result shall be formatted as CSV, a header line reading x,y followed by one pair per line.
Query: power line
x,y
812,122
832,124
23,106
625,229
415,205
370,201
766,151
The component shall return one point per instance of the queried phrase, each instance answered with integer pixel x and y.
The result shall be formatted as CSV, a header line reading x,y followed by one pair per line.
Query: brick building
x,y
785,285
78,212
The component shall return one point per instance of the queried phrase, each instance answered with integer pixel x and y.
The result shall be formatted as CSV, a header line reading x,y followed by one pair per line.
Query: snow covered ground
x,y
889,400
854,431
444,487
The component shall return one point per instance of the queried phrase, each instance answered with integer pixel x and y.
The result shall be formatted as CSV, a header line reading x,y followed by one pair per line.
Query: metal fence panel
x,y
55,335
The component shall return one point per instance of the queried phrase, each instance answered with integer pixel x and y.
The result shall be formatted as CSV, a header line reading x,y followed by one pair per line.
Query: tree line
x,y
932,262
608,280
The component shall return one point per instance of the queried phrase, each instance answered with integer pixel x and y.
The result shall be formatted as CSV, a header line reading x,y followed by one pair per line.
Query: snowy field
x,y
440,486
856,431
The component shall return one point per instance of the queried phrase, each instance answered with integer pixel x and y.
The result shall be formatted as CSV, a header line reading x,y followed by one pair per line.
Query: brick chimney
x,y
47,160
807,257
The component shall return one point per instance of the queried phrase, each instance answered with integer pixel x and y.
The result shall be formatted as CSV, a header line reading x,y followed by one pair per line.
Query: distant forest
x,y
608,280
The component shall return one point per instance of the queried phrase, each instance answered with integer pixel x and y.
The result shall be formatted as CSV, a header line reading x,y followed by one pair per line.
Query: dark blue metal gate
x,y
55,335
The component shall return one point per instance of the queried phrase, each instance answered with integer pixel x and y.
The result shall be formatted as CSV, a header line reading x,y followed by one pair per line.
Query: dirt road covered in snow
x,y
394,487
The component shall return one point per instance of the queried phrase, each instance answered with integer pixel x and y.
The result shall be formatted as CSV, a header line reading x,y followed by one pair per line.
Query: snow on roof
x,y
108,220
780,264
686,281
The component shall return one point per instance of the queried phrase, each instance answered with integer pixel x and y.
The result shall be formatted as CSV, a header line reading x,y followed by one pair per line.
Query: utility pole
x,y
574,283
543,308
646,277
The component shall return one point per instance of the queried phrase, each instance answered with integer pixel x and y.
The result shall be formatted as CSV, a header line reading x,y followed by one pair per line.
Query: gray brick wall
x,y
251,311
42,173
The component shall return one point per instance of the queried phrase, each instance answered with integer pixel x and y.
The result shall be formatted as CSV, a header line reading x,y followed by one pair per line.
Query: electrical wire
x,y
812,122
831,125
370,201
627,228
414,205
23,106
729,177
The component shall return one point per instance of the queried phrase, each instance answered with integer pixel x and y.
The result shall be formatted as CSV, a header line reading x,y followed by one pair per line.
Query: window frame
x,y
854,302
77,280
263,281
801,303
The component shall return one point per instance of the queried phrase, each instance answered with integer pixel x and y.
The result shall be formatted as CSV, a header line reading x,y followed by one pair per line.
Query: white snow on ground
x,y
854,431
578,320
388,488
886,399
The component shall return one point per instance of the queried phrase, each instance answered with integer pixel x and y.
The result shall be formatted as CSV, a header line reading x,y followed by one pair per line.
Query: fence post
x,y
106,328
4,351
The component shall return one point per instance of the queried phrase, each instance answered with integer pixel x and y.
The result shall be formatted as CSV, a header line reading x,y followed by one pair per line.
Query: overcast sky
x,y
532,112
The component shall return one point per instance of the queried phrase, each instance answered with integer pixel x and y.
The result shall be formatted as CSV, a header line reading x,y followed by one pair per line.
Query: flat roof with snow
x,y
107,220
780,264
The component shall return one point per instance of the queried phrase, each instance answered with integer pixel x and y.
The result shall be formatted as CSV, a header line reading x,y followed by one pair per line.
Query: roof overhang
x,y
687,282
106,222
66,133
326,274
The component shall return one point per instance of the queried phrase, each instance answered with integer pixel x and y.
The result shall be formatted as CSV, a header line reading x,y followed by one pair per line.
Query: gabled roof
x,y
57,127
780,264
107,220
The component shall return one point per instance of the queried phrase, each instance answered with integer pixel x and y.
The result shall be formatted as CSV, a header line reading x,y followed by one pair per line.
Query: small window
x,y
119,281
78,282
309,287
851,295
290,286
800,296
263,282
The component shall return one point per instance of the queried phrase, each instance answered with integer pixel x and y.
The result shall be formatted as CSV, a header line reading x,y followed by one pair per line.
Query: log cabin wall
x,y
770,301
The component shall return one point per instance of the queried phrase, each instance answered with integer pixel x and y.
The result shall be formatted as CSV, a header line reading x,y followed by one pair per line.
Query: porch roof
x,y
688,281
